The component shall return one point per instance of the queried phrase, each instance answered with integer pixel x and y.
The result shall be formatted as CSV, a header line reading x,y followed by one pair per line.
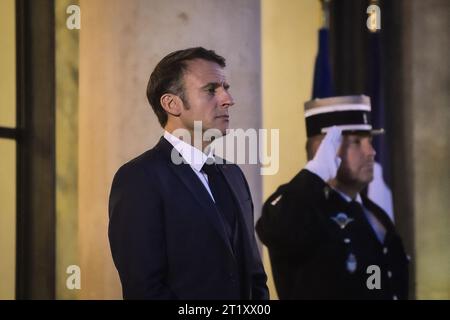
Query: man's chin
x,y
367,180
363,180
212,134
368,175
223,130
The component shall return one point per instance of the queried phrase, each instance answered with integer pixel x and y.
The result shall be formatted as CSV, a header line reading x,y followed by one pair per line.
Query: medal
x,y
342,220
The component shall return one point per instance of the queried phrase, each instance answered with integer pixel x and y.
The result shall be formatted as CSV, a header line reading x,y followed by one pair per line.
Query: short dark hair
x,y
168,76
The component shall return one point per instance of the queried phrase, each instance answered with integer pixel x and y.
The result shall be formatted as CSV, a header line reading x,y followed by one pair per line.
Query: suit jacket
x,y
312,257
166,237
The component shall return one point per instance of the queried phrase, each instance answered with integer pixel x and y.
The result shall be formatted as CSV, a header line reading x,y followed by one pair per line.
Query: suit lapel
x,y
198,191
382,217
234,181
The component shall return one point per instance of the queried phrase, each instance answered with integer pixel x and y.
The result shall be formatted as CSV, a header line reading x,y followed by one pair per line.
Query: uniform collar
x,y
348,199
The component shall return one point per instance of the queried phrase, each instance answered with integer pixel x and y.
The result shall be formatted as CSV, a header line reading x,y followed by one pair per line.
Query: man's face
x,y
358,158
206,96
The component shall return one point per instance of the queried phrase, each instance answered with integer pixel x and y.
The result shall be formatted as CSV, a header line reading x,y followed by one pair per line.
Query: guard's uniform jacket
x,y
323,247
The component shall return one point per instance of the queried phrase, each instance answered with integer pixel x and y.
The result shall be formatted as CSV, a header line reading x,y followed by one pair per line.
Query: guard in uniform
x,y
326,239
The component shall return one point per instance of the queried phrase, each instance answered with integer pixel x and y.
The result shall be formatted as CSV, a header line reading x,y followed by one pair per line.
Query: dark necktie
x,y
228,209
377,227
356,208
222,195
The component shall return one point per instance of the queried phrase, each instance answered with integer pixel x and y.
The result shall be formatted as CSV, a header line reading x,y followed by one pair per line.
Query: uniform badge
x,y
351,263
275,201
326,192
342,220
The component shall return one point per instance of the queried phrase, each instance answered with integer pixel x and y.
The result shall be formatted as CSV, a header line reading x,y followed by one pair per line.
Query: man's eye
x,y
211,90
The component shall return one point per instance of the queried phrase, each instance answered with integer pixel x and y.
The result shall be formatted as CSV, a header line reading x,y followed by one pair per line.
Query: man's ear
x,y
172,104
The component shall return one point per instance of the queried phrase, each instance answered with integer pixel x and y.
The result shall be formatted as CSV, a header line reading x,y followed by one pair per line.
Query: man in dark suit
x,y
181,221
326,239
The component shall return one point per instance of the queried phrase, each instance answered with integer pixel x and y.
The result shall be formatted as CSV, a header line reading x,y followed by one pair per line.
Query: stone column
x,y
427,102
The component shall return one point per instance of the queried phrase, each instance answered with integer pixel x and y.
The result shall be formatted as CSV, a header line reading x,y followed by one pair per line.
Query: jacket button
x,y
389,274
394,297
385,250
347,240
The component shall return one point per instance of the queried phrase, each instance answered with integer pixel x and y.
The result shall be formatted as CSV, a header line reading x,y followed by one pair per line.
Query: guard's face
x,y
206,96
358,157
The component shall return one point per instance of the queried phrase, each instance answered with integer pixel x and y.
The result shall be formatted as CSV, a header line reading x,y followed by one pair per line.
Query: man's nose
x,y
226,100
370,150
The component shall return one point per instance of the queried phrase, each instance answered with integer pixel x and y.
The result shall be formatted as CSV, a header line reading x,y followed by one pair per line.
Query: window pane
x,y
7,63
7,218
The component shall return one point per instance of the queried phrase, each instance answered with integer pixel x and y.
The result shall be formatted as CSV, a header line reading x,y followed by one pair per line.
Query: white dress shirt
x,y
193,156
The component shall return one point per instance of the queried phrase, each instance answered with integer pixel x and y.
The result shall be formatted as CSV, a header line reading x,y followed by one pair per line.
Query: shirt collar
x,y
193,156
347,198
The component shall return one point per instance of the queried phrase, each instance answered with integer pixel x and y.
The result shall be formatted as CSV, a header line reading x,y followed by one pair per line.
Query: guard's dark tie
x,y
373,222
356,208
222,196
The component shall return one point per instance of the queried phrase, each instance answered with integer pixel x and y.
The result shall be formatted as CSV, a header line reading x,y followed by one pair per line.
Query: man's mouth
x,y
370,165
227,117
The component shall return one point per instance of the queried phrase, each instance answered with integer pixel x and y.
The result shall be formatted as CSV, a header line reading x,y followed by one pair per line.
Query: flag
x,y
323,83
379,189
